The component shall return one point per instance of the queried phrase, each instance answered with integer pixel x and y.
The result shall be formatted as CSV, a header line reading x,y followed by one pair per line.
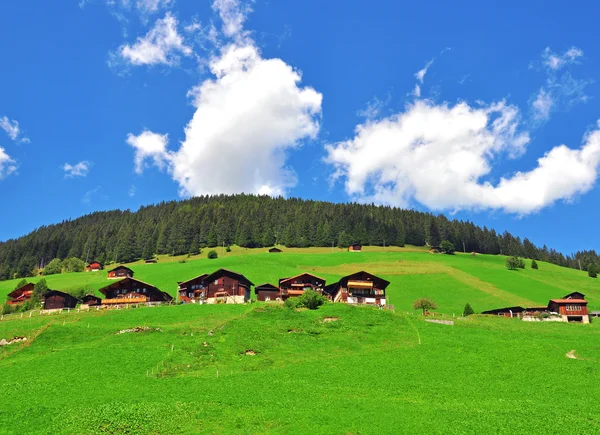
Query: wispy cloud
x,y
89,195
80,169
555,61
420,75
132,191
12,129
7,164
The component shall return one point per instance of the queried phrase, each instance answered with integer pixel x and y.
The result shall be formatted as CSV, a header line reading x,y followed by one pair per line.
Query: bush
x,y
534,264
447,247
212,254
309,299
54,267
513,263
7,309
39,289
228,248
424,304
73,264
592,271
468,310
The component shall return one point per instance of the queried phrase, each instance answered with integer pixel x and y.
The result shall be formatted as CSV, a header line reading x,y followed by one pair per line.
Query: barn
x,y
120,272
226,286
267,292
132,291
506,312
91,300
297,285
55,299
94,266
359,288
275,250
22,294
355,247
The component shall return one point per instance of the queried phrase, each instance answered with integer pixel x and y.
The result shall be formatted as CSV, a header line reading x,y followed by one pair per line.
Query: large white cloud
x,y
438,155
7,165
149,145
161,45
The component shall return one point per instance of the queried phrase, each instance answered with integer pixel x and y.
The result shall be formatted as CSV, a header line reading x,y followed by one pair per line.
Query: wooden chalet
x,y
55,300
275,250
506,312
574,295
359,288
267,292
570,309
22,294
132,291
94,266
151,261
192,290
227,287
355,247
120,272
91,300
297,285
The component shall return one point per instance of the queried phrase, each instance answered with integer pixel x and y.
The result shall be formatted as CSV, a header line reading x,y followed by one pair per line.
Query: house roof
x,y
266,286
19,291
121,281
569,301
58,293
282,280
275,250
516,309
95,262
91,297
332,289
231,273
380,282
204,275
120,267
579,295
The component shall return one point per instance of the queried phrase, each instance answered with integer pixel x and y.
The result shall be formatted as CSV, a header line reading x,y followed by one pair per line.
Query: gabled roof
x,y
95,262
275,249
516,309
204,275
121,281
230,273
569,301
574,295
282,280
59,293
266,286
332,289
379,282
90,297
19,291
120,267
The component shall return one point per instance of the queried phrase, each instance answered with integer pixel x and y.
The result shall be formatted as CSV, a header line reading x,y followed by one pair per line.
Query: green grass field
x,y
261,368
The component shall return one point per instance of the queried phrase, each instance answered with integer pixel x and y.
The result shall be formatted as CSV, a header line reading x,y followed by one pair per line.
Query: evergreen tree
x,y
468,310
434,233
534,264
592,271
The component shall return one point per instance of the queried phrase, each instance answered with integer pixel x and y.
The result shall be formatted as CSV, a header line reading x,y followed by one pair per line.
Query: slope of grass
x,y
364,372
452,281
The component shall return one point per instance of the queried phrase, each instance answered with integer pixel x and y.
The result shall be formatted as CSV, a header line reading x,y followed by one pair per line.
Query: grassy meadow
x,y
262,368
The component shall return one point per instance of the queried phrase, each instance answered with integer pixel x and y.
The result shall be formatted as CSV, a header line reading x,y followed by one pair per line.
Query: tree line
x,y
187,226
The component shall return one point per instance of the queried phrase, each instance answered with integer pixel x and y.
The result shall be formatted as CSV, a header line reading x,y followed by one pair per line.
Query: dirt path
x,y
571,354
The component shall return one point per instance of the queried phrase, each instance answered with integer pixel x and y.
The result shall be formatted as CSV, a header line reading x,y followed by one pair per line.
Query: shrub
x,y
21,284
534,264
228,248
513,263
7,309
40,288
468,310
212,254
592,271
54,267
73,264
447,247
309,299
424,304
183,260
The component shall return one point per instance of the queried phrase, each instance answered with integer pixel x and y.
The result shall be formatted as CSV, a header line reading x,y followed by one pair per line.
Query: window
x,y
573,307
216,281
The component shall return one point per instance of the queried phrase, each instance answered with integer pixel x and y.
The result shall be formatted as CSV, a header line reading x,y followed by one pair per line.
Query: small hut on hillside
x,y
94,266
267,292
275,250
55,299
91,300
355,247
120,272
22,294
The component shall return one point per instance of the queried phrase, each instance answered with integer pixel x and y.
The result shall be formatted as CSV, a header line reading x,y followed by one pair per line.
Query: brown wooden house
x,y
570,309
359,288
297,285
267,292
226,286
55,299
120,272
506,312
355,247
91,300
94,266
192,290
22,294
151,261
275,250
132,291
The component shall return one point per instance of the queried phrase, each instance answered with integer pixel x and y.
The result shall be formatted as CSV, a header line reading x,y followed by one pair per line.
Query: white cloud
x,y
80,169
87,197
161,45
132,191
556,61
542,105
12,129
420,75
7,165
153,6
373,109
233,13
149,145
438,155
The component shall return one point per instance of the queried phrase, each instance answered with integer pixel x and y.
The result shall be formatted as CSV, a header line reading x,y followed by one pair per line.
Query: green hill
x,y
451,281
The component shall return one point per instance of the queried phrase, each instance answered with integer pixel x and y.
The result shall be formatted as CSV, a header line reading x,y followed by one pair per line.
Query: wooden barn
x,y
571,310
359,288
267,292
132,291
22,294
506,312
226,287
91,300
151,261
120,272
297,285
55,299
192,290
275,250
355,247
94,266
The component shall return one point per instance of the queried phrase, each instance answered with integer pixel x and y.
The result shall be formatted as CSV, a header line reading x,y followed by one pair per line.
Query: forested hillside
x,y
181,227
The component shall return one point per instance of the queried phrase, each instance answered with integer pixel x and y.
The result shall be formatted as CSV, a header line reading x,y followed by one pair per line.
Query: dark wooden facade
x,y
506,312
574,295
568,307
151,261
91,300
22,294
359,288
267,292
297,285
132,291
120,272
193,289
275,250
355,247
94,266
221,286
54,299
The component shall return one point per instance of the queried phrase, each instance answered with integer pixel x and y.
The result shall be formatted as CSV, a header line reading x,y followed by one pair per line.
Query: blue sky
x,y
481,113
